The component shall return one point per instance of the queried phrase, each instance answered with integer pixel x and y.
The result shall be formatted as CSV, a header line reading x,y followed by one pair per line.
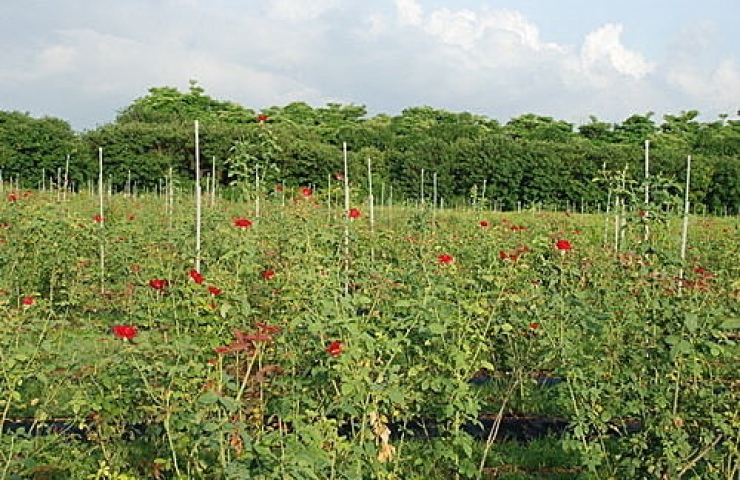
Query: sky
x,y
86,60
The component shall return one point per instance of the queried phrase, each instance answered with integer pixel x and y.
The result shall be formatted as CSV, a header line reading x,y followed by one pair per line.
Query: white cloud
x,y
472,30
409,12
726,81
693,71
57,59
718,87
376,24
388,54
603,54
298,11
459,28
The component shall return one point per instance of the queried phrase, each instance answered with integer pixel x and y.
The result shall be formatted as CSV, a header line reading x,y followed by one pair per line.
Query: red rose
x,y
445,258
124,331
158,283
354,213
215,291
242,223
196,276
563,245
334,349
268,274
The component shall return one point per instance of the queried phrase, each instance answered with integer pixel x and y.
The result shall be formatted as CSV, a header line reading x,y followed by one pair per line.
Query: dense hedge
x,y
530,159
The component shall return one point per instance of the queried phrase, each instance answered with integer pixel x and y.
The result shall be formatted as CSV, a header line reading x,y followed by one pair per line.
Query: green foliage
x,y
168,104
253,161
31,148
529,161
310,346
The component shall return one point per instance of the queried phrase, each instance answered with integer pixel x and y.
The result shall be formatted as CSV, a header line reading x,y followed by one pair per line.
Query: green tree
x,y
635,129
34,147
535,127
146,151
597,131
168,104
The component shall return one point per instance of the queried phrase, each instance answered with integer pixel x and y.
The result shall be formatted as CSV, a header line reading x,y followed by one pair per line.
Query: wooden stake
x,y
685,227
346,218
102,219
198,200
370,198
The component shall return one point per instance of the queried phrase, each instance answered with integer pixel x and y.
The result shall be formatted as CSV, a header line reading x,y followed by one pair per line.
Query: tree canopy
x,y
530,158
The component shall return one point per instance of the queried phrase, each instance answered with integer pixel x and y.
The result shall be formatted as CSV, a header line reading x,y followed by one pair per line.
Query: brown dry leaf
x,y
382,437
236,442
386,453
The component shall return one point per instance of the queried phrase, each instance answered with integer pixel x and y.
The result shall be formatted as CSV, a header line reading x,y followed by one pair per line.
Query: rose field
x,y
296,338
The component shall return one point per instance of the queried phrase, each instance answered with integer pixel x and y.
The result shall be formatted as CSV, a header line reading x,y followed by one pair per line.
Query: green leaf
x,y
395,395
208,398
672,339
731,324
229,403
691,322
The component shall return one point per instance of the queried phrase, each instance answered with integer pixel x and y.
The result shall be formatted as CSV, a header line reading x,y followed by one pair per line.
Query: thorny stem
x,y
496,425
699,456
675,393
247,374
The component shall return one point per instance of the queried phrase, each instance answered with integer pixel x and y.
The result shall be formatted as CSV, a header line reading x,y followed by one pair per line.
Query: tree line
x,y
528,160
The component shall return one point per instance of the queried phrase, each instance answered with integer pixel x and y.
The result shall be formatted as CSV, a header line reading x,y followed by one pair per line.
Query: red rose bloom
x,y
242,223
27,301
262,118
215,291
268,274
563,245
158,283
334,349
124,331
354,213
445,258
196,276
306,192
98,219
483,223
